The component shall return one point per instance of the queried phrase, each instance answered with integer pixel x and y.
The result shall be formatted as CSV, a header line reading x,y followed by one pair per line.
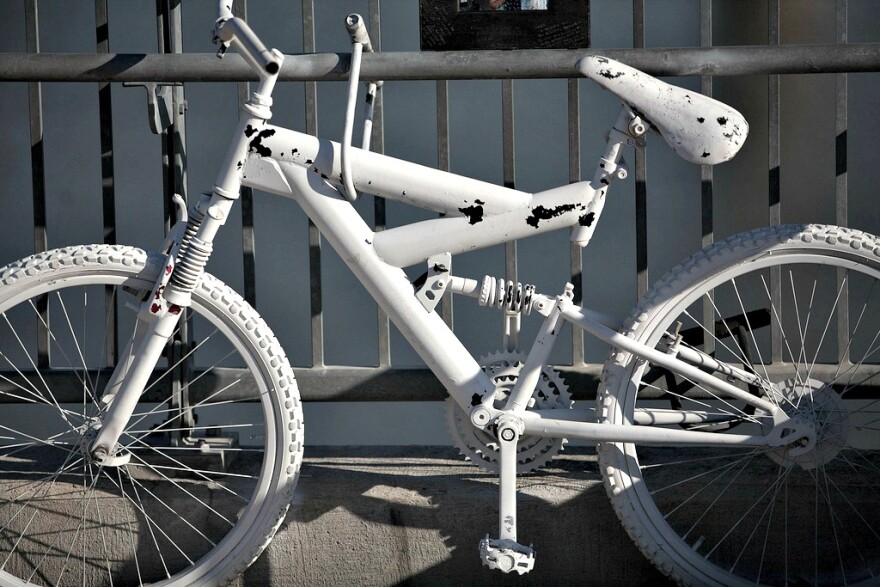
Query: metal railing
x,y
384,382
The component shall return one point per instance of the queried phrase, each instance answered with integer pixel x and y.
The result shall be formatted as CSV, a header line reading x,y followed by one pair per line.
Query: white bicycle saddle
x,y
701,130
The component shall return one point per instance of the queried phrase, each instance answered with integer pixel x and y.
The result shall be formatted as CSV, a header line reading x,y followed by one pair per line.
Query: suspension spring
x,y
512,296
190,264
192,227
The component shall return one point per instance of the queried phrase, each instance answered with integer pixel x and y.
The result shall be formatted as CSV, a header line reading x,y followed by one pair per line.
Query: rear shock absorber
x,y
512,296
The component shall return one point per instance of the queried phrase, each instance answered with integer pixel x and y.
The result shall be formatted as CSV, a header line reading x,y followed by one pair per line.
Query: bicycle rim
x,y
208,478
808,300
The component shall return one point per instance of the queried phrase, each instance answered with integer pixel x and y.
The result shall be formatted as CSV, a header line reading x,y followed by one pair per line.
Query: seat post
x,y
610,167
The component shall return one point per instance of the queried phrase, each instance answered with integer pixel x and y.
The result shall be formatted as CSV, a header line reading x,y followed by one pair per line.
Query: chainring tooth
x,y
480,447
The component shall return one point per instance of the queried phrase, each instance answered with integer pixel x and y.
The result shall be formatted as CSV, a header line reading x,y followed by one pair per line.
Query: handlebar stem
x,y
237,32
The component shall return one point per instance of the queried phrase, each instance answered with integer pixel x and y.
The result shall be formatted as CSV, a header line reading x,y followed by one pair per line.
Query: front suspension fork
x,y
158,316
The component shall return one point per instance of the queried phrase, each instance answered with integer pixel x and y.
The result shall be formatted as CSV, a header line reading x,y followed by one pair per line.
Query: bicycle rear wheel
x,y
759,516
215,443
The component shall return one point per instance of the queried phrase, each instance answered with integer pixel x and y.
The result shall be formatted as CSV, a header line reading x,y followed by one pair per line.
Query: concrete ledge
x,y
414,516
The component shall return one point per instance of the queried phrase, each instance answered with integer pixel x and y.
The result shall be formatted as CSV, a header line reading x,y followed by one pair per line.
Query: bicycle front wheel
x,y
796,310
213,448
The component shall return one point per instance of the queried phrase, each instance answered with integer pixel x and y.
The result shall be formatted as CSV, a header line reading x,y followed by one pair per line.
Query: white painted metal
x,y
324,177
388,177
348,185
428,334
702,130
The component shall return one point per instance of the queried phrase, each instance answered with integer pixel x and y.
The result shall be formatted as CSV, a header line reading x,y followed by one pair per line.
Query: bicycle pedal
x,y
506,555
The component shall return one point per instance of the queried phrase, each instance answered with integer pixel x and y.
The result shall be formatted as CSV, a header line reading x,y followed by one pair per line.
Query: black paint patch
x,y
607,73
249,131
309,161
440,268
540,213
722,120
256,144
701,120
587,219
476,399
705,154
601,60
474,213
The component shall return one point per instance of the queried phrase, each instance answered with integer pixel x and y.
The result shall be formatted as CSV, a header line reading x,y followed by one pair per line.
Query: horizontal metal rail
x,y
356,384
532,64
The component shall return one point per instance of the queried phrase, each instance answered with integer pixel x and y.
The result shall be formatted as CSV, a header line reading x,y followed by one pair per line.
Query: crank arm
x,y
504,553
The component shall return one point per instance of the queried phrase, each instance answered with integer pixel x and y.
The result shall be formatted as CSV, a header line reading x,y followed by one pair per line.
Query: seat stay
x,y
700,129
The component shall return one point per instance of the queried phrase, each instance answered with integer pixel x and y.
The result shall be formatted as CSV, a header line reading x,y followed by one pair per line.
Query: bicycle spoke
x,y
768,513
202,476
149,518
168,510
152,536
825,329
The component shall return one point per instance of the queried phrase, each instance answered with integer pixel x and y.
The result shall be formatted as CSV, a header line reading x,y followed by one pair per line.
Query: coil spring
x,y
192,227
190,264
512,296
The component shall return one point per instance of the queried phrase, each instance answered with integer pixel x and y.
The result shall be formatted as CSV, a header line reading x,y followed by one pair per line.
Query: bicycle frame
x,y
307,170
313,172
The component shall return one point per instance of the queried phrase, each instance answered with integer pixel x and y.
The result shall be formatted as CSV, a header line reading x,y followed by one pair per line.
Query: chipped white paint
x,y
700,129
312,172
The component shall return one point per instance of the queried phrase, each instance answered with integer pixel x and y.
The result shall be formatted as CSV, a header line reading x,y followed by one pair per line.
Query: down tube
x,y
352,239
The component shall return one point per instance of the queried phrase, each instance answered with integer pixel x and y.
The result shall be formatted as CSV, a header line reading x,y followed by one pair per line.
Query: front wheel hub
x,y
100,456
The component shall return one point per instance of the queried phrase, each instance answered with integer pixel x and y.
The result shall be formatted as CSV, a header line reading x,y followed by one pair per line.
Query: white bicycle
x,y
152,429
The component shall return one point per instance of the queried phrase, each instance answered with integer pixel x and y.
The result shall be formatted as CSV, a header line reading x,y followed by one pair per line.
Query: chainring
x,y
480,446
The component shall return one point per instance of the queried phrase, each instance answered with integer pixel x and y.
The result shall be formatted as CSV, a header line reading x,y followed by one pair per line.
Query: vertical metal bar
x,y
774,195
316,297
774,202
248,240
163,45
105,107
446,308
842,186
706,174
169,28
641,169
38,174
378,145
378,137
108,187
511,319
168,14
574,175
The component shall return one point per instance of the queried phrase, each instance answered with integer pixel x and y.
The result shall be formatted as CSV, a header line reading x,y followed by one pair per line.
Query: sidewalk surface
x,y
415,515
